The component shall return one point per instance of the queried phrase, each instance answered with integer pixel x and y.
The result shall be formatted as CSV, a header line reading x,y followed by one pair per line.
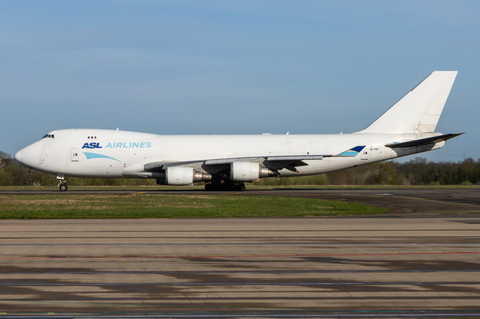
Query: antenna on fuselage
x,y
117,129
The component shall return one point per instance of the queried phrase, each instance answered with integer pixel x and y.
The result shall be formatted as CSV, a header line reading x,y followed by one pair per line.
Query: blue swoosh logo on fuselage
x,y
96,155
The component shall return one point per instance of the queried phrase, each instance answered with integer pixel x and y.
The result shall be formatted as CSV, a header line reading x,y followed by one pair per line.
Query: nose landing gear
x,y
63,183
63,186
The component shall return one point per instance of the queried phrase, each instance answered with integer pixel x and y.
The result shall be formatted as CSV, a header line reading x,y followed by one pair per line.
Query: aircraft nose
x,y
30,155
18,156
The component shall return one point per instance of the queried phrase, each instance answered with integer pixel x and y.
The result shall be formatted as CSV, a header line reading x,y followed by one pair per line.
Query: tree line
x,y
417,171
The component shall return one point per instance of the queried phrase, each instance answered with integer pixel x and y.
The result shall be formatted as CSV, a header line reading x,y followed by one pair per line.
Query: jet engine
x,y
181,175
248,172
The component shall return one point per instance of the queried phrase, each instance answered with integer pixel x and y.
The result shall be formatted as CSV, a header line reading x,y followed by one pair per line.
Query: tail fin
x,y
419,110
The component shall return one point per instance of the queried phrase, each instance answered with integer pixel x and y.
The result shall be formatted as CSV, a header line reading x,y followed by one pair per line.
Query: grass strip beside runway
x,y
59,206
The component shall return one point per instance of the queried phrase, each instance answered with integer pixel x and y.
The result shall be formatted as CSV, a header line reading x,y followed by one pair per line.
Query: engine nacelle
x,y
248,172
180,175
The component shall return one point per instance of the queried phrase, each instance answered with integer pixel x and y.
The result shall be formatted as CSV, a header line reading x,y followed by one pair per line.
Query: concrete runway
x,y
421,260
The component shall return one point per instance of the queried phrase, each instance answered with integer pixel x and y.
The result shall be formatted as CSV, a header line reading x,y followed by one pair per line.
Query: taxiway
x,y
421,260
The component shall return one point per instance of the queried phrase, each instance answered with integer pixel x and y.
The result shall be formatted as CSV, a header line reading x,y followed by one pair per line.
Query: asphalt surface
x,y
420,260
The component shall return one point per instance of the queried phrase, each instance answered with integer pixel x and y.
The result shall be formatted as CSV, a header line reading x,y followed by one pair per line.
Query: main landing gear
x,y
225,187
63,183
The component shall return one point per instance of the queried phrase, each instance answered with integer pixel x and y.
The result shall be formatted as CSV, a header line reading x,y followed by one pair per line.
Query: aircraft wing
x,y
289,158
275,162
424,141
272,162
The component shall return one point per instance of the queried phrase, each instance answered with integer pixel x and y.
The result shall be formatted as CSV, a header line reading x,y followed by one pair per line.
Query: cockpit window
x,y
48,136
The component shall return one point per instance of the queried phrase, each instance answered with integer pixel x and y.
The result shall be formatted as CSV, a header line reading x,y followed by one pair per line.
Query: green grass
x,y
171,206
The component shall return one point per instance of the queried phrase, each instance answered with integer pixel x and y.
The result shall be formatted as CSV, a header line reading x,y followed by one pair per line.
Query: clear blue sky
x,y
232,67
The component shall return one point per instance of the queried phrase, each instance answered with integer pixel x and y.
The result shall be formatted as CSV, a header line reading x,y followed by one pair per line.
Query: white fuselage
x,y
406,128
109,153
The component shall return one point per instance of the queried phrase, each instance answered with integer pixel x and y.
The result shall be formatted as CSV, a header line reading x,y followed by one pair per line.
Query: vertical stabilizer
x,y
419,110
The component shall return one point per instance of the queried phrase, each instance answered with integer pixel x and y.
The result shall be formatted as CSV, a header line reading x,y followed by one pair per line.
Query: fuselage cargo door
x,y
365,152
74,154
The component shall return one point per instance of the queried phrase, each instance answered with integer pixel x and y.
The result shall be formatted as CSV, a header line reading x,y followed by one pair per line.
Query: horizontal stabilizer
x,y
424,141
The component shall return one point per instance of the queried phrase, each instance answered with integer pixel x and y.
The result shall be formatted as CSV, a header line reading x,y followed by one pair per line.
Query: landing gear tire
x,y
63,187
209,187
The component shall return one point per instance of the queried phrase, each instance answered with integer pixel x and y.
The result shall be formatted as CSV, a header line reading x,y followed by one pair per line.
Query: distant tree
x,y
4,155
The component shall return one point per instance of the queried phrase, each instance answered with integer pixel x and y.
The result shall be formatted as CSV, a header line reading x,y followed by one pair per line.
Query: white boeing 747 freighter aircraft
x,y
226,162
